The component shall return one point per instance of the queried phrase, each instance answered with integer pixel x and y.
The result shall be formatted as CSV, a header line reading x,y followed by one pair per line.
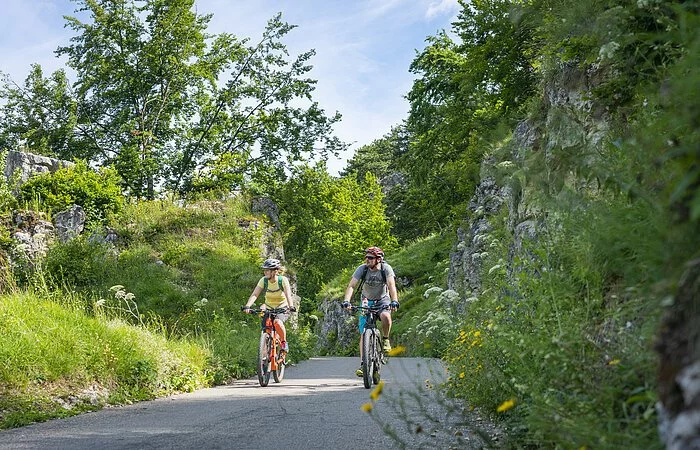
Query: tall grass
x,y
58,360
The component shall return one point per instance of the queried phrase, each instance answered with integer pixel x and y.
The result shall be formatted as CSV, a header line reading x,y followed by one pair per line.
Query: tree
x,y
328,222
167,104
40,115
465,89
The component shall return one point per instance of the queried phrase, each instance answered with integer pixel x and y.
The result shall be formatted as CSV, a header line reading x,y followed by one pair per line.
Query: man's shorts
x,y
384,301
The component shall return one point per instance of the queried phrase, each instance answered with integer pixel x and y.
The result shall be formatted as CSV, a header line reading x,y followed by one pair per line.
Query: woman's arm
x,y
253,296
288,292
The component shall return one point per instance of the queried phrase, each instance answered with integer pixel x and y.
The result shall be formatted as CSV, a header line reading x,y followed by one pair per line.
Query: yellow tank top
x,y
274,297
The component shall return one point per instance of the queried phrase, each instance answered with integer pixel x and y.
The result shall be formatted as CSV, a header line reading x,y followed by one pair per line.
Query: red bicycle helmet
x,y
375,251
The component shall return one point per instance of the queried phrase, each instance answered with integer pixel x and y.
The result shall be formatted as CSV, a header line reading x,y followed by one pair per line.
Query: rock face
x,y
32,237
69,223
465,260
338,330
679,369
29,164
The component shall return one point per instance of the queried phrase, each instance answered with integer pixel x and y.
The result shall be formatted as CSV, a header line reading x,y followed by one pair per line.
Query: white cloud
x,y
442,8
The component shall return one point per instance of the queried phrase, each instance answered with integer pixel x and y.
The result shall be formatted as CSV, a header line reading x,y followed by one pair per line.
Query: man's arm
x,y
351,287
391,284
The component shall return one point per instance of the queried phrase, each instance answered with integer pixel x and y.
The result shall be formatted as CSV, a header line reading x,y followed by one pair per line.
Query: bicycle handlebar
x,y
270,310
374,308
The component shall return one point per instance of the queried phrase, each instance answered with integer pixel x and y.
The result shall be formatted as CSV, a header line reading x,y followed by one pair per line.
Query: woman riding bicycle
x,y
278,294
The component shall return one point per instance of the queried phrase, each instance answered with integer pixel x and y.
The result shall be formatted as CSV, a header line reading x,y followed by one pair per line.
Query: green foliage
x,y
328,222
465,90
53,349
8,201
167,104
98,193
78,264
41,115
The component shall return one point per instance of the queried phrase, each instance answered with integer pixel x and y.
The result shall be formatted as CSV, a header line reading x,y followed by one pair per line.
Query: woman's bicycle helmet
x,y
272,263
375,251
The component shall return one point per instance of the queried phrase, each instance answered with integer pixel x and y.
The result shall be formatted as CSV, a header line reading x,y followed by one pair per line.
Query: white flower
x,y
608,50
431,291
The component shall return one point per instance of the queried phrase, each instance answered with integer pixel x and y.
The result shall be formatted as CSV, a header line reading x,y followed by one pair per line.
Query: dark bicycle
x,y
372,350
271,357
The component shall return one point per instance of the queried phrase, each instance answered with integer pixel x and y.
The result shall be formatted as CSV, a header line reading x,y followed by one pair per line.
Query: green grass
x,y
52,350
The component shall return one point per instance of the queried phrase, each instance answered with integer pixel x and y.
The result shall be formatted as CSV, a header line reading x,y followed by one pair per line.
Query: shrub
x,y
98,193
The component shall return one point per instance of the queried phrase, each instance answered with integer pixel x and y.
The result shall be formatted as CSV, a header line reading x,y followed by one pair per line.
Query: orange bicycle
x,y
271,357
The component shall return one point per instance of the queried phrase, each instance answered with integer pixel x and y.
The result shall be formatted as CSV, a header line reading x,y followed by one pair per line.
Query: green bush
x,y
98,193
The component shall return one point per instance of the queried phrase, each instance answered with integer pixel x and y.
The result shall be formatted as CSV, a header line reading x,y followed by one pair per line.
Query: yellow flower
x,y
461,375
477,333
367,407
374,395
399,349
505,406
614,362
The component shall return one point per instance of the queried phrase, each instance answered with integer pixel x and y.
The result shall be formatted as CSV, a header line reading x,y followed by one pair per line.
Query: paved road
x,y
317,406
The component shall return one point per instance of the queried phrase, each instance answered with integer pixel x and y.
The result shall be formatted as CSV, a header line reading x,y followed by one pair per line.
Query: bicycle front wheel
x,y
264,359
278,374
368,356
377,359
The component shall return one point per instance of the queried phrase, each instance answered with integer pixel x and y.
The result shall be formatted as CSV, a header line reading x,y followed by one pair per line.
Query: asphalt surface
x,y
317,406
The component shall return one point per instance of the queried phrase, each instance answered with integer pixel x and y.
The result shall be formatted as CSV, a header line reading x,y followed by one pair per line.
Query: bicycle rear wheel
x,y
278,374
367,356
264,359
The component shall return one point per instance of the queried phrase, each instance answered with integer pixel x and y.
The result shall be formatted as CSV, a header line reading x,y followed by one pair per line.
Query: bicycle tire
x,y
278,374
376,357
264,359
367,357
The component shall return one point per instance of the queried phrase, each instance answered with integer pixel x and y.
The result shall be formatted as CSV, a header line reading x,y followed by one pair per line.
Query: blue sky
x,y
363,48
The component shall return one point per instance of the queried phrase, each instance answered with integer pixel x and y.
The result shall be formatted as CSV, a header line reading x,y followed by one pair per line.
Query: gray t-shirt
x,y
374,287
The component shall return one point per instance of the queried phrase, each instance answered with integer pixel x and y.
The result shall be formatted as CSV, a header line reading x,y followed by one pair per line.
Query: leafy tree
x,y
41,114
168,104
328,222
465,89
378,157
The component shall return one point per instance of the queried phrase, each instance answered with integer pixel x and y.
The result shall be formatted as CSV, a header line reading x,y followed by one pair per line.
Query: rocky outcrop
x,y
31,239
338,330
28,164
679,369
465,259
69,223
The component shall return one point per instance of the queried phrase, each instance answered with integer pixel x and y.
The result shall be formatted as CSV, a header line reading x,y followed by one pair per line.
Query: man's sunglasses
x,y
369,257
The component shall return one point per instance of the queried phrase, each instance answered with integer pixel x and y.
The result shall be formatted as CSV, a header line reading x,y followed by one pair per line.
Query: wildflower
x,y
399,349
461,375
367,407
505,406
477,333
614,362
374,395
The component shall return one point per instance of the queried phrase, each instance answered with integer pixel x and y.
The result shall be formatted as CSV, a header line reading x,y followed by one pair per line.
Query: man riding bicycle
x,y
378,288
278,294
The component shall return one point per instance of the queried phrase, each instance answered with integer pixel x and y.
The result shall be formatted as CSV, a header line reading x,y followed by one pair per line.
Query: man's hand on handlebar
x,y
346,305
394,305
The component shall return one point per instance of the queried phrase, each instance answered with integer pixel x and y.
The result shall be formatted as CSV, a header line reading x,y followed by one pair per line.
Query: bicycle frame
x,y
270,359
268,326
372,350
